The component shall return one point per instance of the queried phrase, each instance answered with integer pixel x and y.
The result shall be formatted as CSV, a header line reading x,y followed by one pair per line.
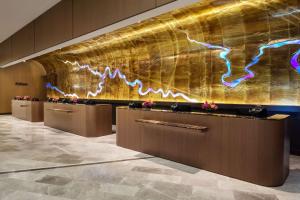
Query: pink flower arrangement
x,y
55,100
18,98
74,100
209,106
26,98
148,104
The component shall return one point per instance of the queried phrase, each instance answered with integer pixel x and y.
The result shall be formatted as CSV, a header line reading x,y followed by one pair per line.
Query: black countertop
x,y
214,113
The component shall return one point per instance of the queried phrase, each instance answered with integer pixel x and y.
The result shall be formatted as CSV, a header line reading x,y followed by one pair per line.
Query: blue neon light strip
x,y
249,74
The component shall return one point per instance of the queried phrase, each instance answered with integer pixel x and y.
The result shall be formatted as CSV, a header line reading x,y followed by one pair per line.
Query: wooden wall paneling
x,y
2,91
20,109
126,123
83,120
135,139
94,14
5,51
30,73
163,2
129,8
151,139
5,104
151,136
235,147
173,143
207,143
103,115
54,26
22,42
294,130
55,119
275,154
37,111
32,111
172,147
122,139
254,150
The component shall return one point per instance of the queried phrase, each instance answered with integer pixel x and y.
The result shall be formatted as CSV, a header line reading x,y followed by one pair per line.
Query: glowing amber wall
x,y
165,52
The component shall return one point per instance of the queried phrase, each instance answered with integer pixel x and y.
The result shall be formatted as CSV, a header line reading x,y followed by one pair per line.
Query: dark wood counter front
x,y
84,120
247,148
28,110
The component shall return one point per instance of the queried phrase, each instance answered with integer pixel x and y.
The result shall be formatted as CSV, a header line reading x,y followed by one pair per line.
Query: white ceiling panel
x,y
15,14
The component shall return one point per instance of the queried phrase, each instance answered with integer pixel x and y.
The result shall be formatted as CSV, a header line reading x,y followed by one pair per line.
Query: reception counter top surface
x,y
271,117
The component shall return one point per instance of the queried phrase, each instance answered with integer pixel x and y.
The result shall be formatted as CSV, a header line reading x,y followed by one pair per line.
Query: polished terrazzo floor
x,y
37,162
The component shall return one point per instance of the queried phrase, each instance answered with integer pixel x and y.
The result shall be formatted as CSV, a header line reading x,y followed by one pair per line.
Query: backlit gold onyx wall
x,y
227,51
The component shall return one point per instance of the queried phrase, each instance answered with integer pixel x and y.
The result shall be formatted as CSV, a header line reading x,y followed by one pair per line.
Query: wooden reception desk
x,y
247,148
28,110
84,120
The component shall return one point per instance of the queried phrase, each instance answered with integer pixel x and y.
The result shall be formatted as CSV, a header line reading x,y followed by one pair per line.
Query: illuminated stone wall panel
x,y
233,51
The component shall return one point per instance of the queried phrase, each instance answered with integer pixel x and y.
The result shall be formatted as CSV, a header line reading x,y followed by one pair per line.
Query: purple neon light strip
x,y
294,61
50,86
250,74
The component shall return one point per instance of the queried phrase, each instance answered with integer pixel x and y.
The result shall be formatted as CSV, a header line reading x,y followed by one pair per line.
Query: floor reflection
x,y
55,165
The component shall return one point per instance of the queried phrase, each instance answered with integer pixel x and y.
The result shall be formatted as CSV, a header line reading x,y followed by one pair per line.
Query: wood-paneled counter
x,y
84,120
28,110
247,148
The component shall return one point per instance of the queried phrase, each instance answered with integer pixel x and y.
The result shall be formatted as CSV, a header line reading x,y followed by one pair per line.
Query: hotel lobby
x,y
149,100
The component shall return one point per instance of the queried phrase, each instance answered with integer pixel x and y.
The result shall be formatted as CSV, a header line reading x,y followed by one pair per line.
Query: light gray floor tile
x,y
62,166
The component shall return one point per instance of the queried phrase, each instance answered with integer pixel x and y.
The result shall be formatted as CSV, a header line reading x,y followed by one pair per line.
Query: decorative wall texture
x,y
233,51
